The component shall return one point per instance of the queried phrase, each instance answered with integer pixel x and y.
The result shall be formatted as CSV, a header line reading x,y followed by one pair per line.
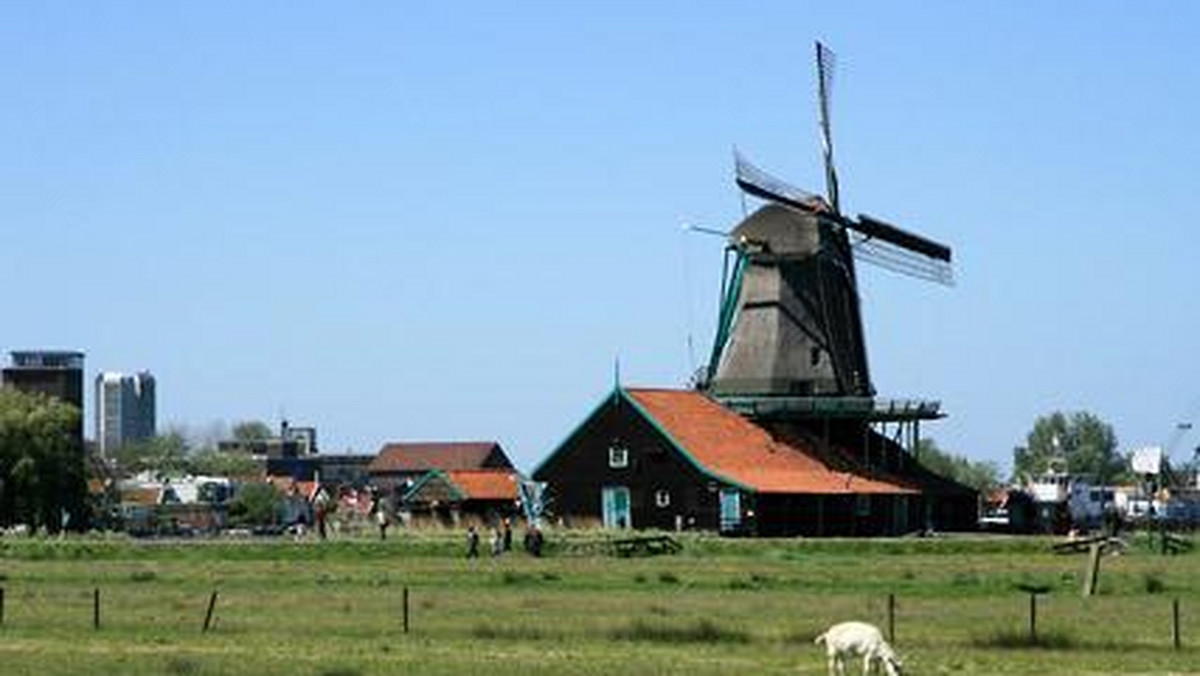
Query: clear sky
x,y
447,220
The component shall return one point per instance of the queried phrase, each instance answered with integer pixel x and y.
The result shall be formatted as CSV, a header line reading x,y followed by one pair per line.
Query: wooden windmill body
x,y
790,325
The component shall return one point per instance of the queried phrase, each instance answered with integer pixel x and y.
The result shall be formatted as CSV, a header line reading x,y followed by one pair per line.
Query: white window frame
x,y
618,456
662,498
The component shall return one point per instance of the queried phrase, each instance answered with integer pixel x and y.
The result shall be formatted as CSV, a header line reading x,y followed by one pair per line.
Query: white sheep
x,y
858,638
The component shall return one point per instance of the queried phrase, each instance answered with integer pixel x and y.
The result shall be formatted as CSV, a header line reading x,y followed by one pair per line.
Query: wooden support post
x,y
1092,574
1175,641
406,609
867,445
96,608
1032,618
891,618
212,604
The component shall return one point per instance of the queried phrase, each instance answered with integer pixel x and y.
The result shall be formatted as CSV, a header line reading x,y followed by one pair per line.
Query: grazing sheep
x,y
858,638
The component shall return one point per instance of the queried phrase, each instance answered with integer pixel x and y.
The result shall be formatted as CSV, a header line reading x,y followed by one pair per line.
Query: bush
x,y
1153,583
255,504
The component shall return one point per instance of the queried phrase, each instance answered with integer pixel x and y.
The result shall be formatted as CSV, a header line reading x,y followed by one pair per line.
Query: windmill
x,y
789,322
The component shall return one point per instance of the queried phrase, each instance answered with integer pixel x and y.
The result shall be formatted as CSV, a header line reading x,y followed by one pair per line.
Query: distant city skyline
x,y
447,221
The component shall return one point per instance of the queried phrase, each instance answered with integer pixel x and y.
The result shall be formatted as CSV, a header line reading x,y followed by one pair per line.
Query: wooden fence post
x,y
1092,573
96,608
1032,618
212,604
1,606
406,609
1175,641
891,618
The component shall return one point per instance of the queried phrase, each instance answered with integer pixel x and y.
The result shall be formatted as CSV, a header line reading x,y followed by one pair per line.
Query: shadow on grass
x,y
510,633
1006,639
703,631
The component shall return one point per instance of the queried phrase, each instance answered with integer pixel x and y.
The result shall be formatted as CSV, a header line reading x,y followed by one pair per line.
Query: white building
x,y
125,409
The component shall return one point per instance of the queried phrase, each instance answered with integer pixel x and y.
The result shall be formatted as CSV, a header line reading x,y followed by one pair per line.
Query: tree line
x,y
1078,443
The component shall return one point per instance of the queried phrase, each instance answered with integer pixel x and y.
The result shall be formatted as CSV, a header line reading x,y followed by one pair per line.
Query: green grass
x,y
722,606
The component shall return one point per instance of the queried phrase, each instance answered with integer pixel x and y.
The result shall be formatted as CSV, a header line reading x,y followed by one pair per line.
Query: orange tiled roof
x,y
485,484
731,447
141,495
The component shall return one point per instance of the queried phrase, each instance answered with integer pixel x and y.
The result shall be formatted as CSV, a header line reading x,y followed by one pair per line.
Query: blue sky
x,y
448,220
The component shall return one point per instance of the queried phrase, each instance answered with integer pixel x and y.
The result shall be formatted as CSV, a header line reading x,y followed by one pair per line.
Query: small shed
x,y
399,464
448,497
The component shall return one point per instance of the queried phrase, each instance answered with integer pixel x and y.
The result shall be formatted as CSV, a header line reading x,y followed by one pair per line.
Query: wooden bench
x,y
1081,545
650,545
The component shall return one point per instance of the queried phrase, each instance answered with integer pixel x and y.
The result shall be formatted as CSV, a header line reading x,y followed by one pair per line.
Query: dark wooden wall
x,y
578,471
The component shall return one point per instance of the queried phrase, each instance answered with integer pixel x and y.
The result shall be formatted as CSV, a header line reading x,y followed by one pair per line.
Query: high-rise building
x,y
124,409
58,373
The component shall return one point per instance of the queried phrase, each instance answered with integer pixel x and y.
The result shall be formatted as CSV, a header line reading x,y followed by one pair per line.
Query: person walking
x,y
497,541
472,542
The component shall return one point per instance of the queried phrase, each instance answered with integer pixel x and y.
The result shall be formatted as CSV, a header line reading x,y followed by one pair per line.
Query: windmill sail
x,y
898,259
759,183
899,250
881,243
877,229
825,64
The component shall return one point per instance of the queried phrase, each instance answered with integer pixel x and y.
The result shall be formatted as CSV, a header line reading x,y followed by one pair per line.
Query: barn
x,y
447,497
445,481
681,459
399,464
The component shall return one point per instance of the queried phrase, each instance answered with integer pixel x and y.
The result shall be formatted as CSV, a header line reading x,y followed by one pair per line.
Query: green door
x,y
731,509
614,506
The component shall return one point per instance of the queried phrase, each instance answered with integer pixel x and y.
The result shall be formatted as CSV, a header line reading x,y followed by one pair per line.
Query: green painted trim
x,y
607,401
727,313
680,448
427,477
620,394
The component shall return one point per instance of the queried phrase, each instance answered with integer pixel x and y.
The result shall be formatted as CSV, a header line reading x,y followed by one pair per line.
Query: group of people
x,y
501,539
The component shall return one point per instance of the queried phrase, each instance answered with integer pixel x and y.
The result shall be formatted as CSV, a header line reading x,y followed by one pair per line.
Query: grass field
x,y
722,606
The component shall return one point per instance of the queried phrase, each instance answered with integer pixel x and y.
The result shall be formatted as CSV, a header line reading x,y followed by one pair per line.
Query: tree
x,y
42,471
255,504
164,454
251,430
1079,443
978,475
214,462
